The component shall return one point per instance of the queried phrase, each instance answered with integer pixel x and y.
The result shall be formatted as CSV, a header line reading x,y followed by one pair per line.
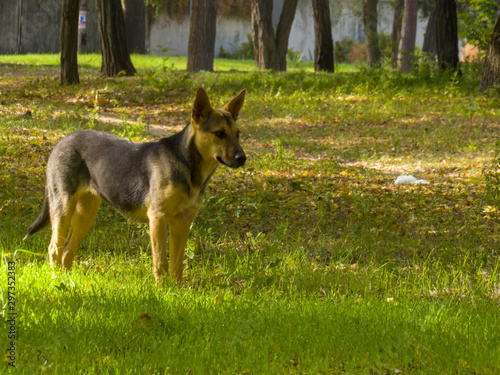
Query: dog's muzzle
x,y
238,161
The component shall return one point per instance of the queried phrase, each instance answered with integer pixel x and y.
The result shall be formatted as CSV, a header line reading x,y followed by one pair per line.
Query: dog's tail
x,y
41,221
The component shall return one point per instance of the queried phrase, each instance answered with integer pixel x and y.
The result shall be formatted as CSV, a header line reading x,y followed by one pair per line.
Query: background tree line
x,y
270,44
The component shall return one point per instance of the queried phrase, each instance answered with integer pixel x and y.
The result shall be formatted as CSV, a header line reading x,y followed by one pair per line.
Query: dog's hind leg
x,y
86,207
60,220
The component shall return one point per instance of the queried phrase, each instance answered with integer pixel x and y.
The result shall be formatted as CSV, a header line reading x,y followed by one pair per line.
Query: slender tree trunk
x,y
429,45
69,42
113,38
447,34
491,71
283,32
370,19
202,32
408,36
264,44
397,23
270,48
323,42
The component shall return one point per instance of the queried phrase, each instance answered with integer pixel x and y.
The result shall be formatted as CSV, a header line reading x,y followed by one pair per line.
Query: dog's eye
x,y
220,134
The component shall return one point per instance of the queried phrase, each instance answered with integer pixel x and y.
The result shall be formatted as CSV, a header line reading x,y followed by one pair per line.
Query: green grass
x,y
144,62
97,322
308,260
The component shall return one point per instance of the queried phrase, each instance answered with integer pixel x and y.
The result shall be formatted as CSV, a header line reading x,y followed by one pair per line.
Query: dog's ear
x,y
235,104
201,106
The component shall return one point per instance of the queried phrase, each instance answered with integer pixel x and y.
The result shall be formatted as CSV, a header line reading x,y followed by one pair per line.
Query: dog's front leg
x,y
158,231
179,233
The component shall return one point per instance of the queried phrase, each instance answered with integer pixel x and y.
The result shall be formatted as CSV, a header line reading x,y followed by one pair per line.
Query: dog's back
x,y
115,169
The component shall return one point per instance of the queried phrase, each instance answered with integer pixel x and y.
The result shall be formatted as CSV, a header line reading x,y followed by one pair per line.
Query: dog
x,y
161,183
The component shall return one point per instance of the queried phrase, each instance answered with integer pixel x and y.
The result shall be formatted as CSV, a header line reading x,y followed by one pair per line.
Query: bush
x,y
348,51
476,21
385,44
244,51
294,56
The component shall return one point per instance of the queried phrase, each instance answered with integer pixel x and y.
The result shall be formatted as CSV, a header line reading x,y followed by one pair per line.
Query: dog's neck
x,y
201,169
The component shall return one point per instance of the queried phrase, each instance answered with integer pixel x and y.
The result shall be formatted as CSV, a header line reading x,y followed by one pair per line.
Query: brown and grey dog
x,y
161,183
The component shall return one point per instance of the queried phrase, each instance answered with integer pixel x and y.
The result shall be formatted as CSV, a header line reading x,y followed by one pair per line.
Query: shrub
x,y
349,51
244,51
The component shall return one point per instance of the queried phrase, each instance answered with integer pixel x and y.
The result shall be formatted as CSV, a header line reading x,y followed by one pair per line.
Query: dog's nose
x,y
240,158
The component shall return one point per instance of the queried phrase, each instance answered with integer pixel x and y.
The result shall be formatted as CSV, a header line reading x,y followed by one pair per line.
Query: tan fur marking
x,y
56,246
176,209
179,233
83,216
158,232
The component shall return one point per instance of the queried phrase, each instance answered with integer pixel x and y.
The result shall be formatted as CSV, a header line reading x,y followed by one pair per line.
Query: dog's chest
x,y
175,201
192,200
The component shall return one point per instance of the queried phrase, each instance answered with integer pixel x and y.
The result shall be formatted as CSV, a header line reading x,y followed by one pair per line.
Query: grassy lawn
x,y
308,260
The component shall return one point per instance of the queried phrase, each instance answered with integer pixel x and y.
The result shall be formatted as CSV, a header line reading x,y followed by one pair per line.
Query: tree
x,y
135,14
370,19
408,35
396,31
447,34
428,10
476,20
69,42
323,42
429,45
270,48
202,30
491,71
113,38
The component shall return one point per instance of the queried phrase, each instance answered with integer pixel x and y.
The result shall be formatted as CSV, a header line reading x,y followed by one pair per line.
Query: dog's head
x,y
216,134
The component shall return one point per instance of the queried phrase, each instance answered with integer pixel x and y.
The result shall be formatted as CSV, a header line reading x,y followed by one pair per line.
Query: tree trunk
x,y
135,21
69,42
269,48
202,31
447,34
370,19
113,38
491,71
397,23
283,32
408,36
429,45
323,42
264,44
